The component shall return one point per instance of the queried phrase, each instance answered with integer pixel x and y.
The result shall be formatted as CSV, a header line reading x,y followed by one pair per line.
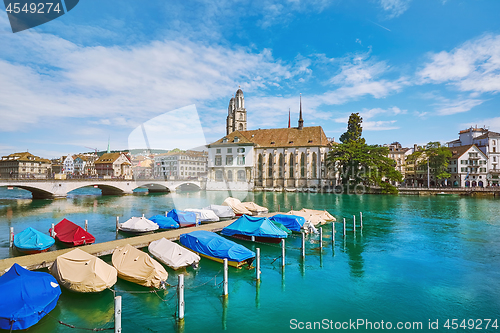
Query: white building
x,y
68,165
468,167
179,164
488,142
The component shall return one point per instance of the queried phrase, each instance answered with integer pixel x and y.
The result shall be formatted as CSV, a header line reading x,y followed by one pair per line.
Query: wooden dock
x,y
42,260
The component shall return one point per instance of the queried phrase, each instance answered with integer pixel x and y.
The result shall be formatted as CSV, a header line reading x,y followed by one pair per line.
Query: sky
x,y
416,71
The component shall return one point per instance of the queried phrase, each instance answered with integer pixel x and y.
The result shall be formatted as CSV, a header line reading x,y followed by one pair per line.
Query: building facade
x,y
398,154
270,159
236,114
114,165
468,167
25,165
179,164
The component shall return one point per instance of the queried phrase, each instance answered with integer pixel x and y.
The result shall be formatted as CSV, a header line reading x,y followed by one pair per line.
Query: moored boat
x,y
71,234
138,267
138,226
26,297
238,208
164,222
223,212
212,246
82,272
172,254
30,241
259,229
204,215
291,222
185,219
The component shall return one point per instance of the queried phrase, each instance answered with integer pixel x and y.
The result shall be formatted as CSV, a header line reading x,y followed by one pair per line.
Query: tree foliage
x,y
359,163
438,157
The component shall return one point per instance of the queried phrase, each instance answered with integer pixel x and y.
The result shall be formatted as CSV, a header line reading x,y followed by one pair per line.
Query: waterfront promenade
x,y
469,191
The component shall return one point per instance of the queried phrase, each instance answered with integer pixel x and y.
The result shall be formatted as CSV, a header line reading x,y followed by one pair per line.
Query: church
x,y
277,159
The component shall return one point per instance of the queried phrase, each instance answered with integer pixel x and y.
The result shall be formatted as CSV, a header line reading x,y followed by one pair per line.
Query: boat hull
x,y
31,251
272,240
135,232
237,264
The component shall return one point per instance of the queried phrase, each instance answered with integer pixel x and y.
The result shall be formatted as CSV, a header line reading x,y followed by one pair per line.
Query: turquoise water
x,y
417,259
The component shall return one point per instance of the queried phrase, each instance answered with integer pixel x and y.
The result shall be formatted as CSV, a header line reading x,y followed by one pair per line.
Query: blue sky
x,y
417,71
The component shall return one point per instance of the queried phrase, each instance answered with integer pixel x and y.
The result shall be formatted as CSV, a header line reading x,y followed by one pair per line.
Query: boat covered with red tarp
x,y
71,234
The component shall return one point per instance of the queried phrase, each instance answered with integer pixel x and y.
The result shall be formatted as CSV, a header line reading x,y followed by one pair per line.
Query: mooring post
x,y
279,208
253,238
180,297
354,223
166,213
11,237
117,223
333,232
303,245
225,282
52,231
321,238
257,258
283,253
118,314
361,219
86,225
344,226
196,223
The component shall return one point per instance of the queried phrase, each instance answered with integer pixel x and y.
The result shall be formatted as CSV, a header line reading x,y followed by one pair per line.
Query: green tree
x,y
359,163
438,158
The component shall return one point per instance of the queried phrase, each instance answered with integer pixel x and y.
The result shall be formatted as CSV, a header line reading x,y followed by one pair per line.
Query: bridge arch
x,y
36,193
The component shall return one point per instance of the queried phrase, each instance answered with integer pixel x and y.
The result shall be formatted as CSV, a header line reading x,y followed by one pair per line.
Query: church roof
x,y
239,91
279,137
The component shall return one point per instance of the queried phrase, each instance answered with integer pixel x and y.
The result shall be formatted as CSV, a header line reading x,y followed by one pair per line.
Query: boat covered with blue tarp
x,y
292,222
26,297
253,228
185,219
32,241
164,222
212,246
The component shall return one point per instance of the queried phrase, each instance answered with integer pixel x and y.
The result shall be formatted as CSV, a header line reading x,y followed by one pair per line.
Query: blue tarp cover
x,y
26,297
164,222
292,222
182,216
213,245
32,239
254,226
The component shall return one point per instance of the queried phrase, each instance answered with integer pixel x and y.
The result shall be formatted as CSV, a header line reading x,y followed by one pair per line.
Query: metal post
x,y
196,223
11,237
86,225
361,219
118,314
321,238
333,232
117,223
303,245
180,299
52,231
166,213
257,257
354,223
225,282
253,238
282,253
344,226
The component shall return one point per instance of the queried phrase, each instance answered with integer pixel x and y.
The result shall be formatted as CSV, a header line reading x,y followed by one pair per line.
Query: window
x,y
270,166
217,151
236,139
218,160
229,160
218,175
291,166
224,140
240,150
229,150
241,160
302,165
229,176
241,175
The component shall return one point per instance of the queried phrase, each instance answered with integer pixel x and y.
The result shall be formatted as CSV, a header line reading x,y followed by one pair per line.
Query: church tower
x,y
237,114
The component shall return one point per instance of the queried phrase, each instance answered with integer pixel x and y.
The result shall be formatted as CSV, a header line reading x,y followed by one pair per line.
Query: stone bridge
x,y
53,188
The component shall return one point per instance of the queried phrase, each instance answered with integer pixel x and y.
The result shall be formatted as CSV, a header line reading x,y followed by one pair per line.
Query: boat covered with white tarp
x,y
204,215
172,254
138,225
223,212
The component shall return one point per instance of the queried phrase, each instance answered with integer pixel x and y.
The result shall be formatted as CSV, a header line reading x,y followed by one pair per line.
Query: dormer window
x,y
224,140
272,142
290,142
310,141
236,139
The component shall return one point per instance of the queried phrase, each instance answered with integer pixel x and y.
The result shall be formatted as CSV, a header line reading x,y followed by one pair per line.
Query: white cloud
x,y
491,123
381,125
395,7
473,66
460,106
376,125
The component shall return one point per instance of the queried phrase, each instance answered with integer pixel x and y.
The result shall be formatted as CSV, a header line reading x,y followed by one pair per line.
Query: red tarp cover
x,y
71,234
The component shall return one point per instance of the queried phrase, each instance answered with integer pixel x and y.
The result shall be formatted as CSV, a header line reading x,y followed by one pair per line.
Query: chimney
x,y
415,147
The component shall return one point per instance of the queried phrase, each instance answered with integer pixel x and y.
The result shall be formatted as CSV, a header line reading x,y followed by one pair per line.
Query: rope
x,y
79,328
214,278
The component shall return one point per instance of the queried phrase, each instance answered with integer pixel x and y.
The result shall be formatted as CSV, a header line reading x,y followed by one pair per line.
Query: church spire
x,y
301,121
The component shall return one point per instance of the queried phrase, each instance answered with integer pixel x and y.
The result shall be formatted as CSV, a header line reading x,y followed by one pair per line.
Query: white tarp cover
x,y
313,218
237,206
82,272
172,254
221,211
137,266
321,213
254,208
139,224
204,215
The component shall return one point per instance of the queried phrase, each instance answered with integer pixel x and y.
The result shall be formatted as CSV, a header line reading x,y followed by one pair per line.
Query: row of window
x,y
240,175
230,150
474,162
229,160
